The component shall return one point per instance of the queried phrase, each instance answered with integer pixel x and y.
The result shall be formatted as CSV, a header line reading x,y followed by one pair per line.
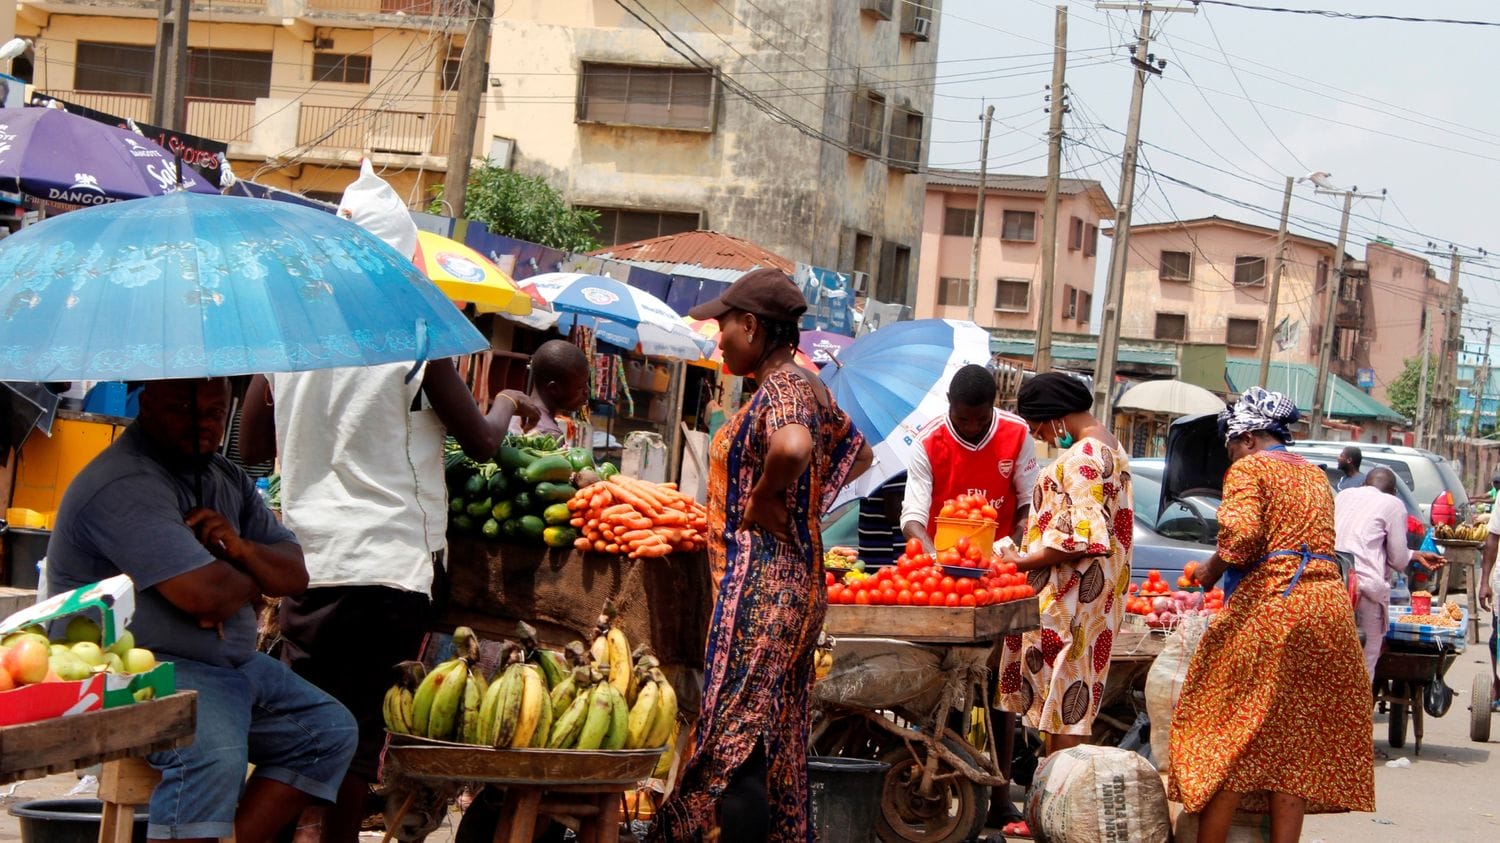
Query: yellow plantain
x,y
443,719
533,698
599,649
664,764
596,725
543,725
619,660
666,710
507,705
426,692
469,721
397,718
642,715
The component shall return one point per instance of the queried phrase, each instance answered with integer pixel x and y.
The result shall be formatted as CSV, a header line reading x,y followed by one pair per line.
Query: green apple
x,y
82,628
54,649
89,652
124,644
139,660
69,667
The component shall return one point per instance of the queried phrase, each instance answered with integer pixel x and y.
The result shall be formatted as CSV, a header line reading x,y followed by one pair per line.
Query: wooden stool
x,y
123,785
597,814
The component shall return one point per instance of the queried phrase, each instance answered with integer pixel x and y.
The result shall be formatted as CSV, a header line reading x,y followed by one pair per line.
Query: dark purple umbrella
x,y
823,346
61,157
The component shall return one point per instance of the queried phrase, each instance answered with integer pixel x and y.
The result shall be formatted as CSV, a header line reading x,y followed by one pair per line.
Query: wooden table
x,y
61,744
586,787
934,624
1465,558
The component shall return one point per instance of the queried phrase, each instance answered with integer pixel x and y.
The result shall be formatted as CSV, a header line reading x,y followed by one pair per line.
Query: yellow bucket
x,y
981,534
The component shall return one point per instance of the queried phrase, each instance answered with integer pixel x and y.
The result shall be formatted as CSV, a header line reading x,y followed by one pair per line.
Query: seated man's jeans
x,y
257,713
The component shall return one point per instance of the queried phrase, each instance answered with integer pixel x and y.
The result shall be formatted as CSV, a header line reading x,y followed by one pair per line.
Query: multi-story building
x,y
299,89
1010,251
1206,280
800,126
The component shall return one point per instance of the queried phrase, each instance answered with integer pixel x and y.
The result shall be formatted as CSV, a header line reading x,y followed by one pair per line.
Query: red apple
x,y
26,662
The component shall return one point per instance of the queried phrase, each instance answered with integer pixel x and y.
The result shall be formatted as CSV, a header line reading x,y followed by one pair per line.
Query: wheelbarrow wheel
x,y
1400,710
1481,701
956,811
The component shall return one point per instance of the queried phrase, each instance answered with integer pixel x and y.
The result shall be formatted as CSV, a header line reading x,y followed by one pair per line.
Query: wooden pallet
x,y
935,624
61,744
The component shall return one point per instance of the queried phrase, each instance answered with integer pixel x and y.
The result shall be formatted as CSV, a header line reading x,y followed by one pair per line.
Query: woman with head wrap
x,y
1077,557
1275,711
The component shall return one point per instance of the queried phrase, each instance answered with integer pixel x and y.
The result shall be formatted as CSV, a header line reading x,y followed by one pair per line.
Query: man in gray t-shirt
x,y
188,527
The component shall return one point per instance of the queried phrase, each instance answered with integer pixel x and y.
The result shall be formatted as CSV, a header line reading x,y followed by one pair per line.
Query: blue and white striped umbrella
x,y
620,314
895,380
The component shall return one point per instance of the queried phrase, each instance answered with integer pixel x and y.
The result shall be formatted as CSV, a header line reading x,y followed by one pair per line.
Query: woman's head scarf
x,y
1259,409
1052,395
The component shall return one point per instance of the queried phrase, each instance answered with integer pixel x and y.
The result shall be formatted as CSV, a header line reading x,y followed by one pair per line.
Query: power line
x,y
1342,15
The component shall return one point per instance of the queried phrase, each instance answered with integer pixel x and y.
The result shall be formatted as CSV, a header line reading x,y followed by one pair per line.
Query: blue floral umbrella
x,y
191,285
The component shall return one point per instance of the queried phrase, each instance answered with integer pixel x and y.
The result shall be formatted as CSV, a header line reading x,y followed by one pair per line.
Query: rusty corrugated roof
x,y
708,249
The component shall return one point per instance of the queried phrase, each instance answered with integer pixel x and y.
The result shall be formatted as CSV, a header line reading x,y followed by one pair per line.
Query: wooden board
x,y
1134,645
33,750
442,760
935,624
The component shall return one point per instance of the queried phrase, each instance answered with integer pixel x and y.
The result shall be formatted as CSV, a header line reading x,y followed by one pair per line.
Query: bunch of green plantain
x,y
600,697
445,703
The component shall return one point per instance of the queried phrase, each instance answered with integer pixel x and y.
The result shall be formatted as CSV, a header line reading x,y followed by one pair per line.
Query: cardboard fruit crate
x,y
935,624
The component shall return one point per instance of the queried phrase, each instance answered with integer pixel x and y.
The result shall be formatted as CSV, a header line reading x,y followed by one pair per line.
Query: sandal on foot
x,y
1017,829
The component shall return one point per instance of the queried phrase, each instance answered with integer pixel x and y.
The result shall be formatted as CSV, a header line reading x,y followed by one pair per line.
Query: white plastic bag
x,y
1164,684
372,204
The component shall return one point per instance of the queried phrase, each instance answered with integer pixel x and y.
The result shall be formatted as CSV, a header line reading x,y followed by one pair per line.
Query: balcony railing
x,y
220,120
417,8
374,130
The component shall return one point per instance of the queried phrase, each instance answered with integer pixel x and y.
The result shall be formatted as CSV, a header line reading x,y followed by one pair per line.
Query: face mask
x,y
1064,438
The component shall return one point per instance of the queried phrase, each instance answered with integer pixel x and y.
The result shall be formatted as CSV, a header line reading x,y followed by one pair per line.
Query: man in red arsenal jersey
x,y
974,449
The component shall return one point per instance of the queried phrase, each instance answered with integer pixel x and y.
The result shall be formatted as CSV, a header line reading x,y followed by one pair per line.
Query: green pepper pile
x,y
522,495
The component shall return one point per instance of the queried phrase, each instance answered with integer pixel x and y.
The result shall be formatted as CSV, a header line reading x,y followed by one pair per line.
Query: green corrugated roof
x,y
1297,380
1079,351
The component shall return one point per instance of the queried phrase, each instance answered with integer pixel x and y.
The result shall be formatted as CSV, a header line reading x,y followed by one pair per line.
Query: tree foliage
x,y
524,207
1402,393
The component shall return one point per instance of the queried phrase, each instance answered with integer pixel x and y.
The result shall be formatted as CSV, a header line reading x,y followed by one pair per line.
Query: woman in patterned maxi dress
x,y
774,470
1077,552
1275,709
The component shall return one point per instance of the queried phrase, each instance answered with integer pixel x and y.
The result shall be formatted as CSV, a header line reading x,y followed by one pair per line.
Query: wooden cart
x,y
938,784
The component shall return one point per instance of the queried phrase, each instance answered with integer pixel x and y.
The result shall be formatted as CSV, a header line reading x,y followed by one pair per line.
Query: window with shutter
x,y
1075,234
1249,271
1019,226
1171,326
1013,295
959,222
1175,266
660,97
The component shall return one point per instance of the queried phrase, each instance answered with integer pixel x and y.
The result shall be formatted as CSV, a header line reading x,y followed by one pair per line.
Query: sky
x,y
1247,99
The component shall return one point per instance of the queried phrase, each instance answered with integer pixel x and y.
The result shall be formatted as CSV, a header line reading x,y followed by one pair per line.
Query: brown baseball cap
x,y
767,293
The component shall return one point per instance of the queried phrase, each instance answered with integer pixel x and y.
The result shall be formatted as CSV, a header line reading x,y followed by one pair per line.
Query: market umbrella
x,y
60,157
708,329
467,276
620,315
188,285
823,346
893,381
1172,397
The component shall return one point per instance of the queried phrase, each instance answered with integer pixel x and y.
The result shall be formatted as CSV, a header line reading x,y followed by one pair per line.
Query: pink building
x,y
1010,251
1405,296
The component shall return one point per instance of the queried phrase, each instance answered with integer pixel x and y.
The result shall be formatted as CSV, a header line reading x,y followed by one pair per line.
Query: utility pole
x,y
472,78
1109,327
1422,408
1442,398
1330,310
1268,334
1057,107
169,66
984,161
1481,382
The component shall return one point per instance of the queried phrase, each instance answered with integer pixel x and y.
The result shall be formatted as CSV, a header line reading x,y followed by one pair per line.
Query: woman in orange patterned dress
x,y
1275,711
1077,555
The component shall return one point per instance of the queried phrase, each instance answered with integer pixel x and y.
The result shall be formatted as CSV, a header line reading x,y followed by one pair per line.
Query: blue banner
x,y
830,304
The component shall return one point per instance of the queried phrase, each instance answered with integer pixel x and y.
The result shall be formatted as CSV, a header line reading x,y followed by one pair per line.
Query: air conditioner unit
x,y
921,27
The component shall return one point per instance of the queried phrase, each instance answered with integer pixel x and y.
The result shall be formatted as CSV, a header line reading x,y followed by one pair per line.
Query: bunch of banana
x,y
654,713
446,703
399,700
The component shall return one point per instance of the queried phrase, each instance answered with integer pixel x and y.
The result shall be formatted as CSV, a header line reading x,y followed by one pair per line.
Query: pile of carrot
x,y
638,518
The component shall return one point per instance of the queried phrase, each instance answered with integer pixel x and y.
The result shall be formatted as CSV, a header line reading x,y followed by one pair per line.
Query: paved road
x,y
1451,793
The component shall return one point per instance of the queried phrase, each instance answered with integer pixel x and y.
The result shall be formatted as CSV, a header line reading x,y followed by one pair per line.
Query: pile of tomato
x,y
969,508
918,579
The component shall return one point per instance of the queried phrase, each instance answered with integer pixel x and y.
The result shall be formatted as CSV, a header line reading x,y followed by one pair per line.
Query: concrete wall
x,y
749,176
949,257
1210,298
1402,288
